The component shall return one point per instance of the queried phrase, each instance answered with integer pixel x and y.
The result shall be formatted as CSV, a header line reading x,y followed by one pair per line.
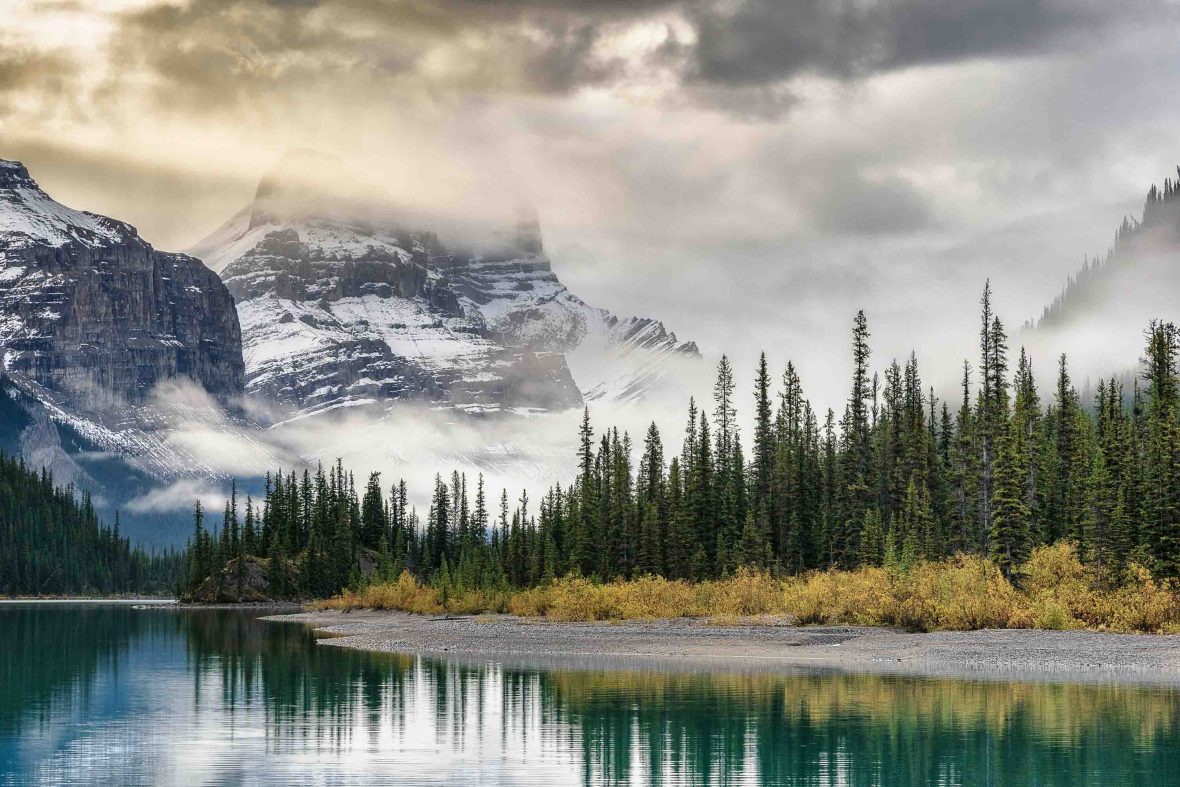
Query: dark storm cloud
x,y
735,56
760,41
221,53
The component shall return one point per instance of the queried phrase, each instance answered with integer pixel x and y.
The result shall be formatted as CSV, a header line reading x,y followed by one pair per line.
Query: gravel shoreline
x,y
1074,656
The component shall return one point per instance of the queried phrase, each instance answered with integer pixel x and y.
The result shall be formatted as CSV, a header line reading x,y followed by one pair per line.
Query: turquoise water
x,y
113,695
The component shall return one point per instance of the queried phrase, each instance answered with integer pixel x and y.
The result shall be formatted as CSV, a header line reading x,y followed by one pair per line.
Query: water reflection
x,y
114,695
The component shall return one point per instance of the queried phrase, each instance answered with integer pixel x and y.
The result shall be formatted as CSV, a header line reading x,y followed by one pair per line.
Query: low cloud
x,y
198,427
178,496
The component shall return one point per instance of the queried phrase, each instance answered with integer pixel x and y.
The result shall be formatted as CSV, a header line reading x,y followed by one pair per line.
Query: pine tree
x,y
1162,449
250,530
753,551
678,548
374,521
582,548
855,490
1009,537
992,410
872,540
1061,508
986,411
763,448
1026,417
200,559
277,580
650,559
915,520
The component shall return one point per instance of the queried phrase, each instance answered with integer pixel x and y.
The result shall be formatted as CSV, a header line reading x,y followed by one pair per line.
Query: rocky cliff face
x,y
94,325
95,315
341,307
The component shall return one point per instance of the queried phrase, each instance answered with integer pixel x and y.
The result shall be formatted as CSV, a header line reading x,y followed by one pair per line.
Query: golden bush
x,y
1062,593
1145,605
748,592
405,594
962,593
649,597
862,597
1056,591
529,603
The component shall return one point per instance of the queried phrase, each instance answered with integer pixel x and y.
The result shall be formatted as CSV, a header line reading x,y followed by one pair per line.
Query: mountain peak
x,y
30,216
14,174
307,183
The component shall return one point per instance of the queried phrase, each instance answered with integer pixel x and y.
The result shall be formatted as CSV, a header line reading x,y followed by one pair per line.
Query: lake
x,y
110,694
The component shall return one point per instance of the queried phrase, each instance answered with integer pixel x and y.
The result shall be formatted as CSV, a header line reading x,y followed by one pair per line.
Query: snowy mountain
x,y
93,321
133,374
345,304
92,313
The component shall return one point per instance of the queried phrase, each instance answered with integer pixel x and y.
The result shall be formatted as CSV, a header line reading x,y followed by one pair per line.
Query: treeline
x,y
899,476
52,543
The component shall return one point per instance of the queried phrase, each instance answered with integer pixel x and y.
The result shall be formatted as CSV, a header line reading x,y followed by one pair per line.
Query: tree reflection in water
x,y
268,692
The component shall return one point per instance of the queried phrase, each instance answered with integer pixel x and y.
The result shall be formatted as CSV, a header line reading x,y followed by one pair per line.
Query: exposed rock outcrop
x,y
235,584
90,311
105,347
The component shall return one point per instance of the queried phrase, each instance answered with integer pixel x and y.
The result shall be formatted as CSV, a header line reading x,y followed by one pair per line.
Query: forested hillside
x,y
899,476
1137,274
52,543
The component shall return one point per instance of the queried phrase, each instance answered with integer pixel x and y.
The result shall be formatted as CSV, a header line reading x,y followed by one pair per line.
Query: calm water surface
x,y
112,695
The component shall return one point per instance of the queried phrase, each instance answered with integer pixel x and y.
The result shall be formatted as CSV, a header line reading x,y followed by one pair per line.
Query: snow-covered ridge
x,y
336,315
93,320
338,311
29,216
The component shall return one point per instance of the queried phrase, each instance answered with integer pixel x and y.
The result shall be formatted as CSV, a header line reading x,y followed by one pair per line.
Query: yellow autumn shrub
x,y
962,593
1146,605
1055,590
746,593
406,594
1061,592
858,597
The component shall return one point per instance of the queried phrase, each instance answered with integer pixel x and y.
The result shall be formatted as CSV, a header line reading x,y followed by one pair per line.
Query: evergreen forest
x,y
898,475
52,543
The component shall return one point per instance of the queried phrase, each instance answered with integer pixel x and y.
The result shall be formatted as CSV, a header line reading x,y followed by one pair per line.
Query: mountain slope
x,y
1137,278
91,312
98,331
342,305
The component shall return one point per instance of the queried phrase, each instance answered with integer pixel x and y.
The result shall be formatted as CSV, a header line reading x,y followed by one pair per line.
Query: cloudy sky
x,y
750,171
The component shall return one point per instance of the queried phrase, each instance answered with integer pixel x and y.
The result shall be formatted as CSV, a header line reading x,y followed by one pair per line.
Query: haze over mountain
x,y
125,370
345,302
1101,312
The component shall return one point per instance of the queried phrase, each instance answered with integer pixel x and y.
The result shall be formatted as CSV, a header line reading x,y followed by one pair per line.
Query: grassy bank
x,y
1053,591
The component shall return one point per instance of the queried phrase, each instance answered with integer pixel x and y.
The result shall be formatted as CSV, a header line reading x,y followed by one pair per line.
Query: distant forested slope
x,y
1136,277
